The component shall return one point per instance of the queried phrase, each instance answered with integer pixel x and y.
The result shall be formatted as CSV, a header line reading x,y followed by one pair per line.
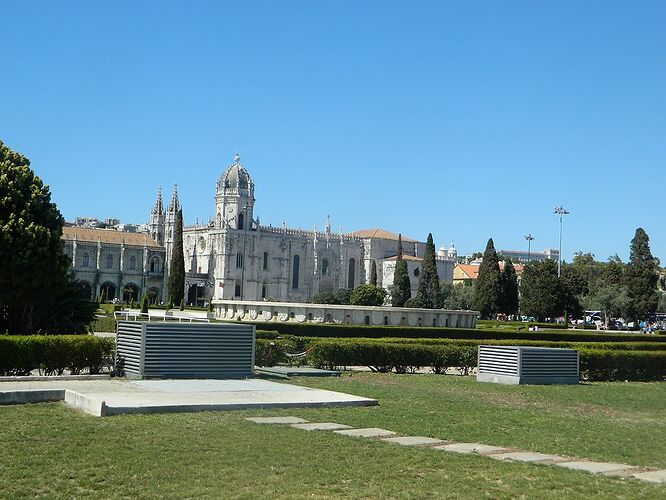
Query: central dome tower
x,y
234,198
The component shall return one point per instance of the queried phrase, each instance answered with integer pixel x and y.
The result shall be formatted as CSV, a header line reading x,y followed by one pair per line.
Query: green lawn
x,y
51,450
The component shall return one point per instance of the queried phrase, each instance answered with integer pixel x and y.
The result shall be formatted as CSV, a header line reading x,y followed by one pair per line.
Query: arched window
x,y
239,260
237,289
294,271
132,262
155,265
241,221
109,261
85,261
350,274
324,267
265,260
218,221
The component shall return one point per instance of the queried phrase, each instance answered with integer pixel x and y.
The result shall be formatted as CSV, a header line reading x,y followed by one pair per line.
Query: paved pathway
x,y
498,453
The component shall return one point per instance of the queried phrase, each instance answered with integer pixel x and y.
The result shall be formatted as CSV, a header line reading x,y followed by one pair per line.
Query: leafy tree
x,y
325,297
401,289
144,303
476,255
509,286
613,272
342,296
611,300
445,290
373,274
542,293
367,295
661,307
176,285
460,298
428,294
33,265
641,278
488,289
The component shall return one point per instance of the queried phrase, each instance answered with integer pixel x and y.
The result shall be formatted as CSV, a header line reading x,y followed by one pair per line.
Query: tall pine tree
x,y
641,277
488,285
509,286
401,289
176,285
428,295
373,274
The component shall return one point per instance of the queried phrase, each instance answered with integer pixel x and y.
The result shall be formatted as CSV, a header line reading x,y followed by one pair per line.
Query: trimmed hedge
x,y
52,355
103,325
359,331
384,356
110,308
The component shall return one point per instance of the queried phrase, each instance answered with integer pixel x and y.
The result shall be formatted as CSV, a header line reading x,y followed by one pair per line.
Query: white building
x,y
234,257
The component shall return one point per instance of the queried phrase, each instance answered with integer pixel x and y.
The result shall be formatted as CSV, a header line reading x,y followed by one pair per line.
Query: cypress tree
x,y
509,287
488,289
641,277
373,274
401,289
176,283
144,303
428,295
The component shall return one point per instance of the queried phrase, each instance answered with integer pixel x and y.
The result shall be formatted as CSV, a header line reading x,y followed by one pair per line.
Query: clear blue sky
x,y
465,119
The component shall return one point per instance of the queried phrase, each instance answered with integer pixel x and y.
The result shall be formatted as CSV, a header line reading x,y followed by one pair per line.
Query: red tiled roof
x,y
71,233
380,233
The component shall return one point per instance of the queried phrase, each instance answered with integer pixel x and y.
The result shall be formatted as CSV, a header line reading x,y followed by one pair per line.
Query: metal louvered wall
x,y
185,350
527,365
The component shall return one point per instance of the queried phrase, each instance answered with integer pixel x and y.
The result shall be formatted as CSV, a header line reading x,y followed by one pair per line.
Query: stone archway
x,y
107,291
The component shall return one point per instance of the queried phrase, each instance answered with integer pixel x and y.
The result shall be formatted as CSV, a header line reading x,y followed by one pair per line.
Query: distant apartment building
x,y
523,256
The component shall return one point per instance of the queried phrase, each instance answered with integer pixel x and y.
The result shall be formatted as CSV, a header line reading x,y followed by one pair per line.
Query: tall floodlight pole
x,y
529,239
561,211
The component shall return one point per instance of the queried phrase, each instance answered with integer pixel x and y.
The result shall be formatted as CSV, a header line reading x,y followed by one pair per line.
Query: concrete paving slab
x,y
115,397
467,448
414,440
655,476
297,371
370,432
276,420
595,467
322,426
526,456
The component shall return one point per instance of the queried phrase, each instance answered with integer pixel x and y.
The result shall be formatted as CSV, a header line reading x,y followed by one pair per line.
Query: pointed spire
x,y
158,208
174,204
237,159
327,227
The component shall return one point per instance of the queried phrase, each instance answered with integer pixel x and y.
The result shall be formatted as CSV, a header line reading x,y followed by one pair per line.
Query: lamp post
x,y
529,239
561,211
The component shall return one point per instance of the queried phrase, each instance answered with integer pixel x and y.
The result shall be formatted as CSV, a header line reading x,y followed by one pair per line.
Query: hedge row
x,y
107,324
53,354
616,346
383,356
358,331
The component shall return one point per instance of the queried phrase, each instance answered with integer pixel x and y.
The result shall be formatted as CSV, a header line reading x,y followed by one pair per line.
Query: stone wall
x,y
283,312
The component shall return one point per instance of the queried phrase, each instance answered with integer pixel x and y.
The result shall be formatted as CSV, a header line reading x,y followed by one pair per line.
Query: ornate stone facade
x,y
234,257
116,264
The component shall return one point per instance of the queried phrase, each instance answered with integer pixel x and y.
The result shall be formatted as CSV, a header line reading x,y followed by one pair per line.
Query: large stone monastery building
x,y
234,257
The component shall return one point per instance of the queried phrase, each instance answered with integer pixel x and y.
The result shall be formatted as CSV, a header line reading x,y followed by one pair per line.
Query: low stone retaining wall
x,y
283,312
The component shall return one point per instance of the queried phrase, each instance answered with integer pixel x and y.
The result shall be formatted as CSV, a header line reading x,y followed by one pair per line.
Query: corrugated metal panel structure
x,y
184,350
527,365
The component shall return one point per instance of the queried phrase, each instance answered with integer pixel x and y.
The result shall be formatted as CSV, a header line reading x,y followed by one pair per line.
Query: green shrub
x,y
406,357
107,324
598,365
52,355
110,308
268,352
361,331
